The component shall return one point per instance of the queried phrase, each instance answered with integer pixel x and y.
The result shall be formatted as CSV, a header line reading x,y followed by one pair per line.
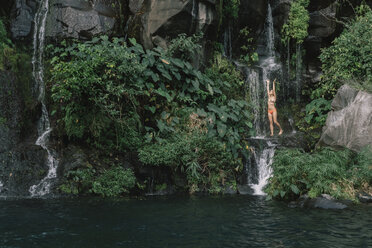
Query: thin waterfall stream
x,y
44,128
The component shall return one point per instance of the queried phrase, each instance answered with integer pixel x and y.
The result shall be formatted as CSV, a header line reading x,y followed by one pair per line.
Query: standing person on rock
x,y
271,110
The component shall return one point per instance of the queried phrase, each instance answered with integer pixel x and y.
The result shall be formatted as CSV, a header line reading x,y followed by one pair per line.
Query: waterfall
x,y
1,186
263,160
298,71
258,168
227,41
194,17
270,39
44,129
267,69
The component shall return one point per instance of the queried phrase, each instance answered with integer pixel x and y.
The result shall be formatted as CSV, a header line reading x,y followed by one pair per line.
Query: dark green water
x,y
237,221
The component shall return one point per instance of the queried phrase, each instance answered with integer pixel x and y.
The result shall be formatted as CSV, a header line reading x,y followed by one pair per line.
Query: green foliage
x,y
108,93
231,8
203,160
317,111
248,47
120,97
338,173
185,48
298,22
5,47
349,57
114,181
78,181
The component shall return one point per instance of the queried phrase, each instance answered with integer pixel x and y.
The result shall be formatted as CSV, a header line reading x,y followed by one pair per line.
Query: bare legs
x,y
274,116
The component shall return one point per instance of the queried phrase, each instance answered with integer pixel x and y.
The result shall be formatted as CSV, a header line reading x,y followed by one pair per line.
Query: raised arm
x,y
274,87
267,86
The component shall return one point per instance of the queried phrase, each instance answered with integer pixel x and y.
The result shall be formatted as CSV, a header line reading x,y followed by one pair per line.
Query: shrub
x,y
111,182
338,173
108,91
349,57
204,161
114,181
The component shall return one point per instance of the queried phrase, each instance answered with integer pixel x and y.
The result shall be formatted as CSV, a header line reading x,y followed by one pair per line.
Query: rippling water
x,y
236,221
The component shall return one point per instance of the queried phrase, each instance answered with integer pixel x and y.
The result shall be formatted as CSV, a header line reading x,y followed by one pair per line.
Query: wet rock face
x,y
22,167
252,14
22,16
11,112
81,19
350,123
22,164
156,20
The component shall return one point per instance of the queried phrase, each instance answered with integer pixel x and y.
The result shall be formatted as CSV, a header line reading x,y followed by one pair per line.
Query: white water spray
x,y
270,39
1,186
263,160
44,129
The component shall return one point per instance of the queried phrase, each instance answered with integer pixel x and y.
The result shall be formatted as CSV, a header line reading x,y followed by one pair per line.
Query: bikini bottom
x,y
271,111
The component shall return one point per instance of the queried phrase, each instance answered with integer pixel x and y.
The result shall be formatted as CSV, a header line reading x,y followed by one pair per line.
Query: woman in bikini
x,y
272,113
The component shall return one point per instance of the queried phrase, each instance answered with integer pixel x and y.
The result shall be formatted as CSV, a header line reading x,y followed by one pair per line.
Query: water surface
x,y
234,221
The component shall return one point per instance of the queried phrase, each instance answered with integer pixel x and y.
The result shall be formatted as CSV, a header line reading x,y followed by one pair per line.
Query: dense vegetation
x,y
349,58
342,174
338,173
119,98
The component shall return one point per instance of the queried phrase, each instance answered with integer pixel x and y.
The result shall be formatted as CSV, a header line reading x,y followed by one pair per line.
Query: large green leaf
x,y
221,129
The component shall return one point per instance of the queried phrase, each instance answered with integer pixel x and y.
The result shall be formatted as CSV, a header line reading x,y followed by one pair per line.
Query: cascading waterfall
x,y
263,161
268,69
270,33
44,129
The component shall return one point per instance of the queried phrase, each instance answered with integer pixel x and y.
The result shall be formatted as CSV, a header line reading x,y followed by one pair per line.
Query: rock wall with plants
x,y
148,92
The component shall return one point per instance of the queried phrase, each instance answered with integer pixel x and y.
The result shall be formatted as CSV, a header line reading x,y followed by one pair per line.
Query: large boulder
x,y
81,19
156,21
349,124
323,202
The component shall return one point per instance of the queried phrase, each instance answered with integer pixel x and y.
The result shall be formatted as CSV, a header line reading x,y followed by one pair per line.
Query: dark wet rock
x,y
81,19
22,17
245,190
322,202
364,197
21,168
166,19
349,125
252,14
229,190
22,163
168,190
322,22
72,158
11,106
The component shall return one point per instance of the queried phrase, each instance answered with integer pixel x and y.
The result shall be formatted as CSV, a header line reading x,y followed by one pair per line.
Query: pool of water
x,y
234,221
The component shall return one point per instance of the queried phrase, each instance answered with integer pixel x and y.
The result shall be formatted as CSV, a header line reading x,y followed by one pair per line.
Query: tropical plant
x,y
338,173
204,161
120,97
114,181
297,24
349,57
317,111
